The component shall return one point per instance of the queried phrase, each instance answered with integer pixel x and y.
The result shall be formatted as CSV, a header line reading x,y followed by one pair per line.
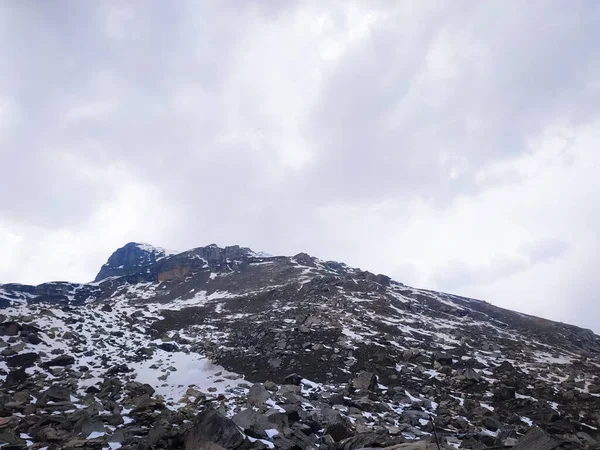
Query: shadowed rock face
x,y
341,357
129,259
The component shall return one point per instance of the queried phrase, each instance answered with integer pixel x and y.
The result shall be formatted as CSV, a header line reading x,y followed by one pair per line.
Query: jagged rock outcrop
x,y
129,259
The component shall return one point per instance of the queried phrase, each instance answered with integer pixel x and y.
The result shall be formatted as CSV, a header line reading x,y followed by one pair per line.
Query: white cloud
x,y
91,111
7,114
119,17
130,210
450,145
500,244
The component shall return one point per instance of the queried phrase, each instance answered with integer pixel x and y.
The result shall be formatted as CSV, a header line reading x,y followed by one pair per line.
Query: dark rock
x,y
92,390
258,395
129,259
370,440
443,358
55,393
168,347
253,423
9,440
86,424
33,338
366,381
504,392
9,328
22,360
304,259
338,430
492,424
414,416
16,376
293,379
156,435
383,279
114,419
594,388
210,427
13,349
536,439
119,368
62,360
136,389
468,374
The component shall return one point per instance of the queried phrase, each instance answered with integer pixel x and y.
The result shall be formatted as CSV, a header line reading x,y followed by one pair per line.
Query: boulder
x,y
492,423
258,395
468,374
212,428
13,349
253,423
9,328
371,440
293,379
536,439
16,376
22,360
119,368
504,392
136,389
414,416
62,360
33,338
168,347
366,381
338,430
444,359
304,259
55,393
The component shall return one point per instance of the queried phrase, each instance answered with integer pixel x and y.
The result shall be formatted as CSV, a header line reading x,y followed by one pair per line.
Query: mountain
x,y
229,348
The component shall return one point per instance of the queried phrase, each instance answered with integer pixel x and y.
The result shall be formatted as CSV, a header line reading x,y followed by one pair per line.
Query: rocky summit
x,y
227,348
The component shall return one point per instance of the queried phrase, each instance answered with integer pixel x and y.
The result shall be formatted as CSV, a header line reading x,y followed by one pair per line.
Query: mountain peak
x,y
136,257
130,258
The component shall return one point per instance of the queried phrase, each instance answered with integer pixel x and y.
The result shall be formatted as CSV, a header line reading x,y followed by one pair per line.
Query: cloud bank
x,y
451,145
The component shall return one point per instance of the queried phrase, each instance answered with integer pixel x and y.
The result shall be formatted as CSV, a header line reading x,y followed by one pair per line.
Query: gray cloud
x,y
459,275
545,250
350,130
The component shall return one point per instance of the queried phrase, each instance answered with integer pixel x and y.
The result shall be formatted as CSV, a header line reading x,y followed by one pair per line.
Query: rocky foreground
x,y
226,348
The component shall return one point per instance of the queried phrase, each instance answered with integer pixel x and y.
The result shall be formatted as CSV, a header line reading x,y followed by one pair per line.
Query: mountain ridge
x,y
348,358
148,254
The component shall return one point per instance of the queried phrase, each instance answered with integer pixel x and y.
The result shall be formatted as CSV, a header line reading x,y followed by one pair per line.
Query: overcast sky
x,y
453,145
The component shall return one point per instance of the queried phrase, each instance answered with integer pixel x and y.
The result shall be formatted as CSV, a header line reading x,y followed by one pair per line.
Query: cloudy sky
x,y
453,145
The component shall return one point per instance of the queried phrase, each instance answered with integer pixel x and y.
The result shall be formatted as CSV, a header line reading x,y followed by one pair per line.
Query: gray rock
x,y
23,360
366,381
536,439
55,393
258,395
13,349
253,423
413,416
62,360
338,429
136,389
293,379
210,427
492,423
10,328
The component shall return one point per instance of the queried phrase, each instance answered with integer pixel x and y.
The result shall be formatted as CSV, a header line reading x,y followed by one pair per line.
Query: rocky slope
x,y
228,348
